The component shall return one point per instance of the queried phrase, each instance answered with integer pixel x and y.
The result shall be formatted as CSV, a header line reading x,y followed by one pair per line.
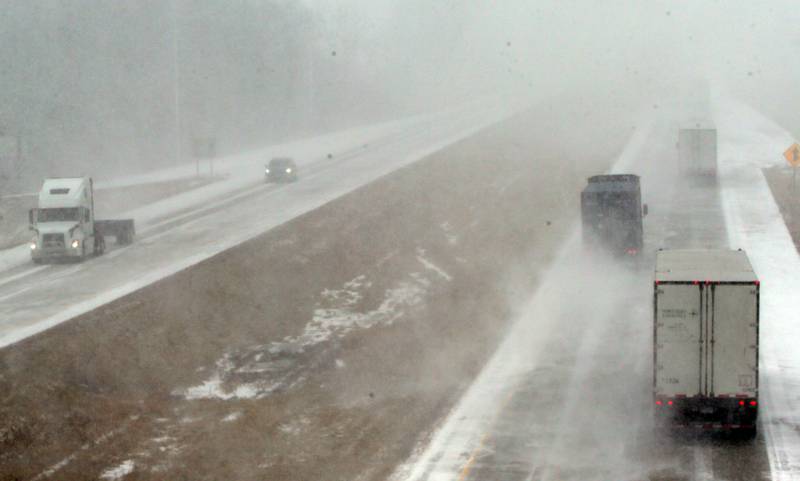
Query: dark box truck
x,y
611,213
705,340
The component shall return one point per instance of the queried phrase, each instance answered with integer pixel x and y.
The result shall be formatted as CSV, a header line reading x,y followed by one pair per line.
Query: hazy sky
x,y
92,81
647,45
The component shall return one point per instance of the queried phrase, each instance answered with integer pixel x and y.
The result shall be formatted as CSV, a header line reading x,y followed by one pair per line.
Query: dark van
x,y
281,169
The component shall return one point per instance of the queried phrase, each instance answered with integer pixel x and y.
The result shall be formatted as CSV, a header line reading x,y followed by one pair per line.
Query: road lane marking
x,y
703,465
26,273
485,437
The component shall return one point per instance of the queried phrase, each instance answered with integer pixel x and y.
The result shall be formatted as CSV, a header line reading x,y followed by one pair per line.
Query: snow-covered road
x,y
567,394
748,143
185,229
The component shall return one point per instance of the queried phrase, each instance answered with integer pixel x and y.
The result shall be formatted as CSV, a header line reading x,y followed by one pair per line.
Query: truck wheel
x,y
99,245
124,238
747,434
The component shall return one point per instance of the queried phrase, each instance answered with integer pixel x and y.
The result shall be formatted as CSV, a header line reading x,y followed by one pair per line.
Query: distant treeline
x,y
90,86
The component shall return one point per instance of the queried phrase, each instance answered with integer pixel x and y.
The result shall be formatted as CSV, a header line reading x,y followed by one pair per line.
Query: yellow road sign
x,y
792,155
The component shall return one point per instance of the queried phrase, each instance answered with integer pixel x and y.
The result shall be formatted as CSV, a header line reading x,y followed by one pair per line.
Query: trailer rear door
x,y
677,337
706,156
734,339
697,150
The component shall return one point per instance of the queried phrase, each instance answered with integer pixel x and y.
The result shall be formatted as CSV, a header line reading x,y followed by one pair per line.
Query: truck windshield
x,y
59,215
279,164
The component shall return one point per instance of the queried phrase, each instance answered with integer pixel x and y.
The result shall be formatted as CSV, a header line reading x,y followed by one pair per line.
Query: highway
x,y
567,395
174,235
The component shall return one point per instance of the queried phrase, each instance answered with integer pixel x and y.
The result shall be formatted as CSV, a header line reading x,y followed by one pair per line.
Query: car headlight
x,y
266,171
33,246
76,243
289,170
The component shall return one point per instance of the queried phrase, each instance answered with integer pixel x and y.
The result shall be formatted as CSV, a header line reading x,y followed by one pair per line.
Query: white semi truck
x,y
705,340
697,152
65,226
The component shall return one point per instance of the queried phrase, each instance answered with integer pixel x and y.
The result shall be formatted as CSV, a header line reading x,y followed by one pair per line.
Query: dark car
x,y
281,169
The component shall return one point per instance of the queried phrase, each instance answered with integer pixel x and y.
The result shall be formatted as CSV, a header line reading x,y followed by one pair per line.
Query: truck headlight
x,y
289,170
76,243
266,171
33,246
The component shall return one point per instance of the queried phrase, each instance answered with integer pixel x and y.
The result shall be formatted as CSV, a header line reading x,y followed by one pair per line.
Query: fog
x,y
422,289
104,88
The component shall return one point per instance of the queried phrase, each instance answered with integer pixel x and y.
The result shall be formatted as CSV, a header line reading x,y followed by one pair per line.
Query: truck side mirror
x,y
644,210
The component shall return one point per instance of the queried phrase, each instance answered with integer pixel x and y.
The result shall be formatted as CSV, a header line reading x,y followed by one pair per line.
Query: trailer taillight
x,y
758,283
669,402
753,403
658,402
741,403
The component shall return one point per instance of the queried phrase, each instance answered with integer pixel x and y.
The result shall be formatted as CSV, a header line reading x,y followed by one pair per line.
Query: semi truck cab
x,y
64,223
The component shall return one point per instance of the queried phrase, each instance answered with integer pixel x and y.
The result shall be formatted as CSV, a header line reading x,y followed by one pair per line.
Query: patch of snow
x,y
431,266
340,364
295,426
212,389
64,462
451,236
119,472
232,417
341,317
338,318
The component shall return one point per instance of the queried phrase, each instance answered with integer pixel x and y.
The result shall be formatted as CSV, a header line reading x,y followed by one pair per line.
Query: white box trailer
x,y
705,340
697,152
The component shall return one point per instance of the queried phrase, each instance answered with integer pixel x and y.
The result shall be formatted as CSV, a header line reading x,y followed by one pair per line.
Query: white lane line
x,y
703,467
15,293
780,459
756,225
17,196
26,273
441,457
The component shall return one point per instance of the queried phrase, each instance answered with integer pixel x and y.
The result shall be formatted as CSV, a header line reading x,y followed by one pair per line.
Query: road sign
x,y
792,155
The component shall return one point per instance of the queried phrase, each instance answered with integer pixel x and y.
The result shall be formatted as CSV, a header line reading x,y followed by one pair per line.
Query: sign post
x,y
792,155
204,148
